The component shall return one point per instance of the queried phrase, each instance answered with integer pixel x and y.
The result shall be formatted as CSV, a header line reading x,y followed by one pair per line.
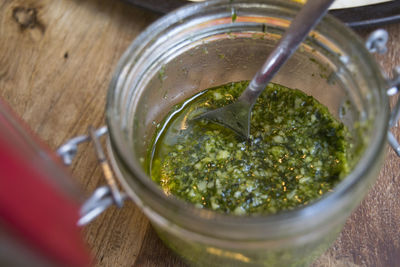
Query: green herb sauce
x,y
296,152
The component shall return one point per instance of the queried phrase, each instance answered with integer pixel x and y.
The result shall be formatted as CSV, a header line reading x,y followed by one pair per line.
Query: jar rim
x,y
187,214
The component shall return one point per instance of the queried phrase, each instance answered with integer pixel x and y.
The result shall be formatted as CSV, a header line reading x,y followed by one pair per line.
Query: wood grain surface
x,y
56,61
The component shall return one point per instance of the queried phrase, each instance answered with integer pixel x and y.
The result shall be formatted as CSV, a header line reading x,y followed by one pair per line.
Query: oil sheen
x,y
296,152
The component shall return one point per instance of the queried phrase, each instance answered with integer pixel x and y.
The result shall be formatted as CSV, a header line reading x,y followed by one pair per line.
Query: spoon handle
x,y
309,15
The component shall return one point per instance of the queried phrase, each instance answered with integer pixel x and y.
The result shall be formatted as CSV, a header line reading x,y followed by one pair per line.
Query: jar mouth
x,y
154,201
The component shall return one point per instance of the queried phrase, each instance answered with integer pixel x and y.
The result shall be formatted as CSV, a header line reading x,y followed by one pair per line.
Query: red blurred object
x,y
39,207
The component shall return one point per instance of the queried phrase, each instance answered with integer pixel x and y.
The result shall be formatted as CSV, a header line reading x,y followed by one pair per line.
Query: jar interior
x,y
221,51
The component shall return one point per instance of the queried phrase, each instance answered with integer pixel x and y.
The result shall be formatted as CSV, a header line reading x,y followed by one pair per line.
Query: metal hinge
x,y
376,43
104,196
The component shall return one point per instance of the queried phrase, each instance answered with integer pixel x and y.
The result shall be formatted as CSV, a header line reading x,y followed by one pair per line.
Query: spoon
x,y
237,115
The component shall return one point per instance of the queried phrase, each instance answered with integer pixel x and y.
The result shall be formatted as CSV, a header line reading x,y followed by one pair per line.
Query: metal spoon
x,y
237,115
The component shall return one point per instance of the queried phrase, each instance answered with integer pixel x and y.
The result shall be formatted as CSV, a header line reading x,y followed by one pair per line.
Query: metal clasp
x,y
376,43
104,196
394,84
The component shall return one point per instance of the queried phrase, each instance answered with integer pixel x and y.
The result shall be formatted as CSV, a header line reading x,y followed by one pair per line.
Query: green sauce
x,y
296,152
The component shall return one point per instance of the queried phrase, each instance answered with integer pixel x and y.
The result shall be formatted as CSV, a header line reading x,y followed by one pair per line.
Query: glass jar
x,y
215,42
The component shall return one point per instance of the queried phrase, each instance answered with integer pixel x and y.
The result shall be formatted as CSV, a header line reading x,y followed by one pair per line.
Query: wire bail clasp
x,y
376,43
104,196
394,85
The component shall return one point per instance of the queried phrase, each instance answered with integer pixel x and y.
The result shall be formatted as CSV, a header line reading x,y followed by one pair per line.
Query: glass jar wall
x,y
212,43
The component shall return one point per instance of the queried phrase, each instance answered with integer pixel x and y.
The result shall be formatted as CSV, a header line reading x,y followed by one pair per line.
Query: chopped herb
x,y
234,15
161,74
296,152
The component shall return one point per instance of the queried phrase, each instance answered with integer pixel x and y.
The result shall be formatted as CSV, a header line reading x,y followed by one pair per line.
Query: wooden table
x,y
56,61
